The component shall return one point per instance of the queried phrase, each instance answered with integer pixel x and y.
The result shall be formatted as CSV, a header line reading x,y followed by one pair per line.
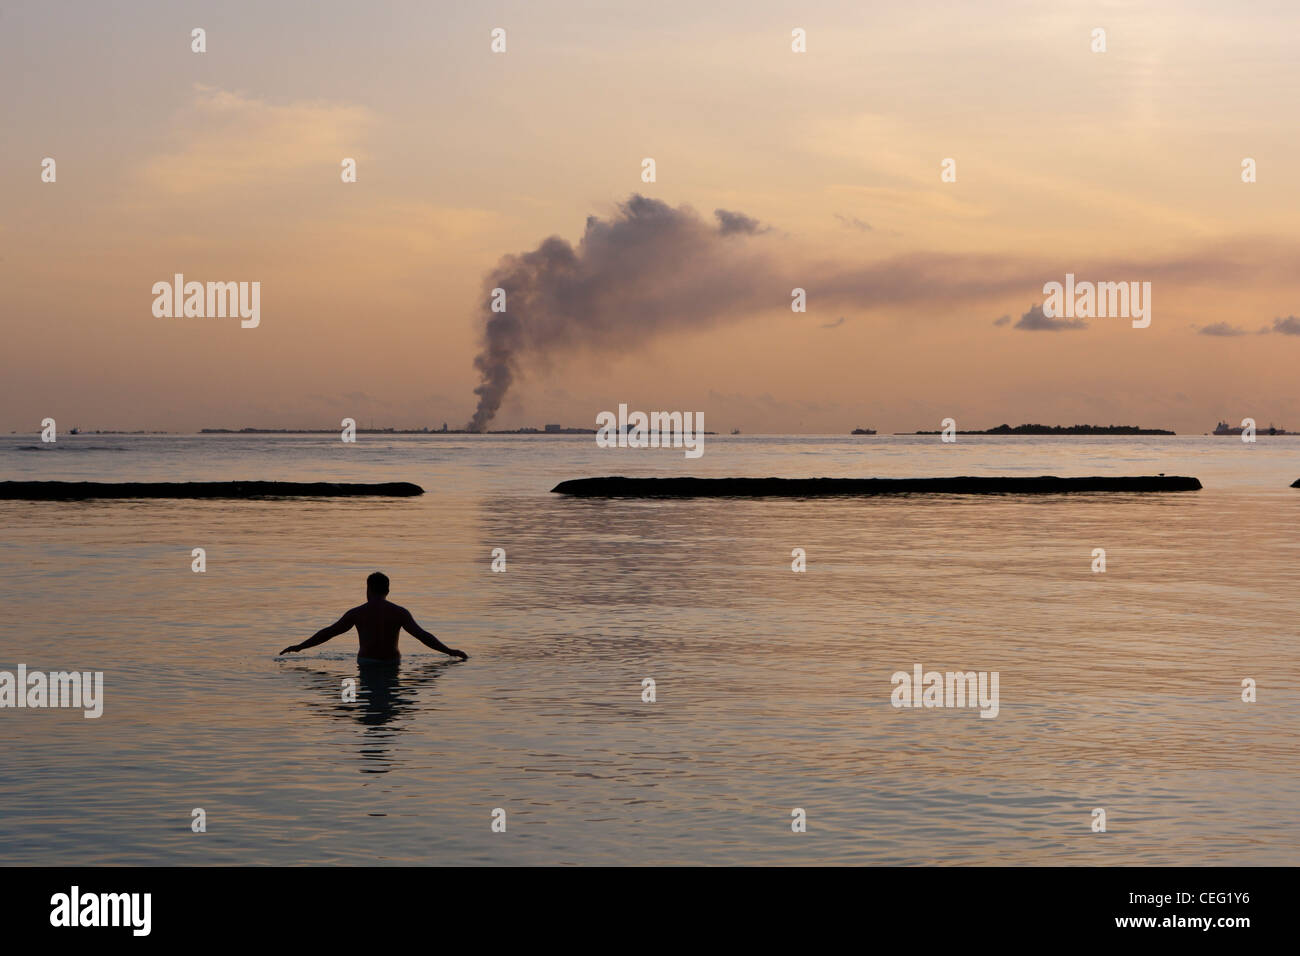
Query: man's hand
x,y
427,639
341,626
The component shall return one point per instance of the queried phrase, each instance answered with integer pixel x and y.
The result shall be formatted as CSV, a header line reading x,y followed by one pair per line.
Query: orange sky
x,y
224,166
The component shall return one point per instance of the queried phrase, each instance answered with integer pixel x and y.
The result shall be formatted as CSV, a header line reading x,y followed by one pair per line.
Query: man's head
x,y
377,585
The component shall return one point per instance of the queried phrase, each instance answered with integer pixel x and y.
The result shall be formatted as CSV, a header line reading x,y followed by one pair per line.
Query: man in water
x,y
378,622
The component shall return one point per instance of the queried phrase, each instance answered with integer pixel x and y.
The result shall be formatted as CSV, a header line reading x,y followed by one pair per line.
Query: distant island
x,y
1060,430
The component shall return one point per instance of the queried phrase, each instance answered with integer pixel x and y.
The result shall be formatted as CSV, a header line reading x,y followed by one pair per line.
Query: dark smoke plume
x,y
648,269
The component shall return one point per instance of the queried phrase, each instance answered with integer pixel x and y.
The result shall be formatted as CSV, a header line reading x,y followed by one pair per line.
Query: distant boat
x,y
863,431
74,431
735,431
1223,428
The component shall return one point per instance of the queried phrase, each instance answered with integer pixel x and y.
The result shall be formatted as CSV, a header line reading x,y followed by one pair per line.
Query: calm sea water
x,y
1119,690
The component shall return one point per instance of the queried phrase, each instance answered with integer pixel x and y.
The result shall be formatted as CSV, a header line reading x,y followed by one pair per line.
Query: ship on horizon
x,y
1223,428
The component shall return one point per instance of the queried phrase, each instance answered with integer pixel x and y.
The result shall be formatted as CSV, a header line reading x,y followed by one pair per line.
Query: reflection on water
x,y
1118,690
387,697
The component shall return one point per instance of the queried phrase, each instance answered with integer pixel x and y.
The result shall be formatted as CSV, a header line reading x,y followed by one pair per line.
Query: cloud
x,y
854,223
731,223
1035,321
224,139
1002,320
834,325
1222,328
1288,326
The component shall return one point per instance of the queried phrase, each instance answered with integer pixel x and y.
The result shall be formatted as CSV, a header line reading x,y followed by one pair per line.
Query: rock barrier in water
x,y
618,487
80,490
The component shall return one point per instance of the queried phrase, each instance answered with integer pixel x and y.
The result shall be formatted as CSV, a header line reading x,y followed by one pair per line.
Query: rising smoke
x,y
649,269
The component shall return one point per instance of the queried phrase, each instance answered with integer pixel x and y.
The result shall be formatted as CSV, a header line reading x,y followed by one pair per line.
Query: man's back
x,y
378,623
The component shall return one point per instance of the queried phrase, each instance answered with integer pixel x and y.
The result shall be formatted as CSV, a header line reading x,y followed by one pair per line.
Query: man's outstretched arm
x,y
427,639
341,626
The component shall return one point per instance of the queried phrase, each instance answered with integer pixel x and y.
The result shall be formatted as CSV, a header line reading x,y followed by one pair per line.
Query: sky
x,y
1123,165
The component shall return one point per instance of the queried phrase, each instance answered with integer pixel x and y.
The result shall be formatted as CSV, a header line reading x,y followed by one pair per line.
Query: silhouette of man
x,y
378,622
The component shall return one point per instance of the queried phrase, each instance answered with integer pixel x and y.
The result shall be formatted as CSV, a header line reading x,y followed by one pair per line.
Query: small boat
x,y
735,431
863,431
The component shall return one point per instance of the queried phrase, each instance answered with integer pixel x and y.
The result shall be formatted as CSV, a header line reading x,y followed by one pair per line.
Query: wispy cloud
x,y
1222,329
1035,321
224,139
853,222
731,223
